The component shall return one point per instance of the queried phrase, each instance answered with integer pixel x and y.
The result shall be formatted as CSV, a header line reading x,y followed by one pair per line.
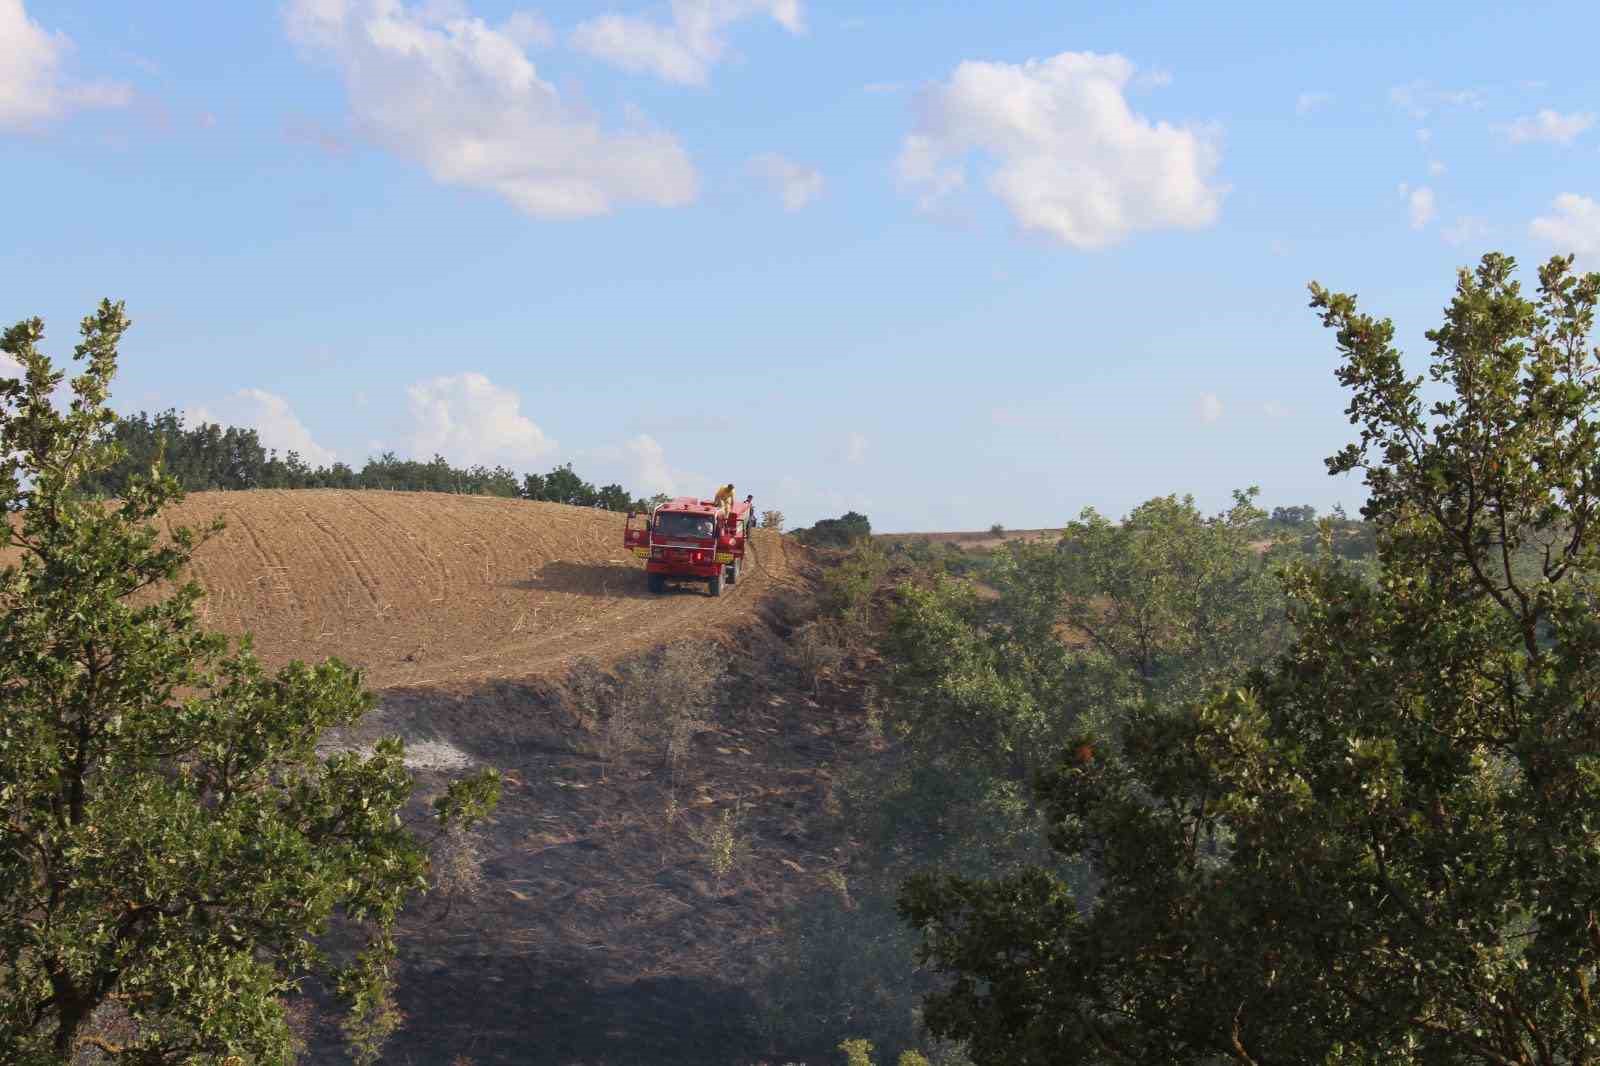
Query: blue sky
x,y
946,263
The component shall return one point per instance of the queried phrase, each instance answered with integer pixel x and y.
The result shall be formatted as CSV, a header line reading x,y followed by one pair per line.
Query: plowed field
x,y
429,588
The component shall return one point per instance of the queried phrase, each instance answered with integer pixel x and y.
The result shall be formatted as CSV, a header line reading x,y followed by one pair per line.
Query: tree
x,y
838,532
1294,516
1381,847
173,850
772,520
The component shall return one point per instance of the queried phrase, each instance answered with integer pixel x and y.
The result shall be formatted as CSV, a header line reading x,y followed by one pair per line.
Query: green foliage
x,y
840,532
172,848
1294,516
1178,599
849,585
984,688
1381,846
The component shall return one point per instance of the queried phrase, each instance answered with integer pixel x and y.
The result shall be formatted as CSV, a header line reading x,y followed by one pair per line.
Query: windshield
x,y
677,524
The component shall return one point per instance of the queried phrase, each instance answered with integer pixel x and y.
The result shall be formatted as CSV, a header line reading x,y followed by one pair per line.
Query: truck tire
x,y
733,572
714,585
656,583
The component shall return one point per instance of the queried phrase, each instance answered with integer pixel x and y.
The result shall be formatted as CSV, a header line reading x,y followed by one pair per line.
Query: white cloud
x,y
641,464
651,471
1550,126
1210,407
796,184
1419,99
1419,204
1573,227
1467,229
1424,135
269,414
855,449
470,419
446,90
684,51
1306,103
528,30
1074,161
9,367
1435,168
1274,409
33,89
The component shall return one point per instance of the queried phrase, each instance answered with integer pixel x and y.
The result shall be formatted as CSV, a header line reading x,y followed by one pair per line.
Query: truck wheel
x,y
733,572
714,585
656,583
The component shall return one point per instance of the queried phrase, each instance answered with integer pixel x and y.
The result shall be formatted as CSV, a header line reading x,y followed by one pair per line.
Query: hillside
x,y
600,933
429,588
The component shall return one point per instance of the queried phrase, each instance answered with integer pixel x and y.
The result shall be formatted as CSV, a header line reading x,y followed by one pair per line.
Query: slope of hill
x,y
428,588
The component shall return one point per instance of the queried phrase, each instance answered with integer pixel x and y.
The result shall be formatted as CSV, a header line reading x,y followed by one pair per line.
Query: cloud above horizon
x,y
274,421
33,89
469,419
1071,159
1573,226
461,98
684,50
1550,127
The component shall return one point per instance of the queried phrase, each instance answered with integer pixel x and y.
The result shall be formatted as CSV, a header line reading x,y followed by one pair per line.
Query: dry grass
x,y
432,588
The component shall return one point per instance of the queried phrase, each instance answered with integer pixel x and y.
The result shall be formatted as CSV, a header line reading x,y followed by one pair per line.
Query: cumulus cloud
x,y
1573,225
1419,204
1210,407
1306,103
274,421
1072,159
446,90
470,419
685,50
796,184
1549,126
33,89
528,30
642,464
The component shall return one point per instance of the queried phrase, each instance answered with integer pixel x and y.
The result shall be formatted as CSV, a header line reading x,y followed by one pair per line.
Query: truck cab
x,y
690,540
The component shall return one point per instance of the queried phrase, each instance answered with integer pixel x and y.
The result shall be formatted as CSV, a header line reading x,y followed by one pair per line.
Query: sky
x,y
944,263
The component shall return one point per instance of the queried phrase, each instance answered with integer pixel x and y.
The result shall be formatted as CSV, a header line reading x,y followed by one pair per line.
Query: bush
x,y
772,520
816,651
848,588
660,699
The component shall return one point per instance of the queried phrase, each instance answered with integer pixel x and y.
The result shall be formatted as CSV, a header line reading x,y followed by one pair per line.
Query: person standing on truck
x,y
724,498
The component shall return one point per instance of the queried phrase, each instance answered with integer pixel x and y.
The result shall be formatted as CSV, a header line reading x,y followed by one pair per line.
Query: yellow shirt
x,y
724,495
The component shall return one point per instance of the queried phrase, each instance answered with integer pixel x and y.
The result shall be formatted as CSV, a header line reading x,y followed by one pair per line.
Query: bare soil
x,y
430,588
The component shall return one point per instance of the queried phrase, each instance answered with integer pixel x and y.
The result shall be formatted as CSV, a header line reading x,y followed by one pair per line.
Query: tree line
x,y
209,457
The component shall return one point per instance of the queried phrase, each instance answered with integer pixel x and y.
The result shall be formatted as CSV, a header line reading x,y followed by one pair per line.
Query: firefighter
x,y
724,497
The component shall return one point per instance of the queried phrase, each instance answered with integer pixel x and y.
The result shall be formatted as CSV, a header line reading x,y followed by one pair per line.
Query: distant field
x,y
426,588
973,539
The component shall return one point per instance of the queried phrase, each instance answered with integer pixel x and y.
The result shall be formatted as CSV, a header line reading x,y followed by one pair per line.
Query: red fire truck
x,y
686,539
